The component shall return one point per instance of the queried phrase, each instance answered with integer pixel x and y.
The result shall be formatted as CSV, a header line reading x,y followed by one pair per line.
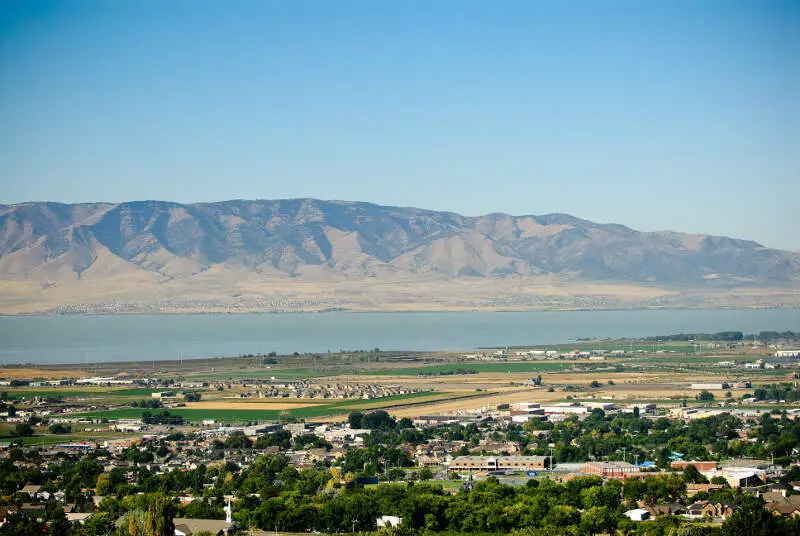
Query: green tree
x,y
705,396
159,517
598,519
750,519
378,420
691,474
355,419
23,429
100,524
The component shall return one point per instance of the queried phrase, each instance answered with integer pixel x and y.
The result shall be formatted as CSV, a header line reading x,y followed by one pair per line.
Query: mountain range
x,y
240,253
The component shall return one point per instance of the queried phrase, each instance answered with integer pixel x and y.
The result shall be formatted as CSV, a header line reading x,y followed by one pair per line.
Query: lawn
x,y
91,392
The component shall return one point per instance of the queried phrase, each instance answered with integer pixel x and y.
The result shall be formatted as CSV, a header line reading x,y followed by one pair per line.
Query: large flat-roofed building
x,y
709,386
700,466
499,463
611,469
566,408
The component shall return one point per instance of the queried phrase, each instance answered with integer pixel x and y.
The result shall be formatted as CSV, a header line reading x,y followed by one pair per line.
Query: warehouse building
x,y
499,463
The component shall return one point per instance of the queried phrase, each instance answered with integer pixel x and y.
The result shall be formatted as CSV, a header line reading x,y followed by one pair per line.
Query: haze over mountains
x,y
311,254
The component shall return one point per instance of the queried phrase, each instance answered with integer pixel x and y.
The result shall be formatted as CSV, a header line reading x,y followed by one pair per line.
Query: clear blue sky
x,y
681,115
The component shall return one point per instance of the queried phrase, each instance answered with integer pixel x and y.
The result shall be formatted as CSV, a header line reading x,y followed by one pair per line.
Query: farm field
x,y
43,438
243,412
90,392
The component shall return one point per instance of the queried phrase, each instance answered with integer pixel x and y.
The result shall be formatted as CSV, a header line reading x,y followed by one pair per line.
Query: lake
x,y
93,339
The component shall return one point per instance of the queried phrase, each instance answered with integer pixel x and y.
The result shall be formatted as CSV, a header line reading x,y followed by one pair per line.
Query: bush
x,y
23,429
59,428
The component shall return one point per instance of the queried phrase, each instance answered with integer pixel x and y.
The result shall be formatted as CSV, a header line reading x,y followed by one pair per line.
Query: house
x,y
638,514
781,505
701,509
667,509
694,489
79,517
31,490
190,527
35,511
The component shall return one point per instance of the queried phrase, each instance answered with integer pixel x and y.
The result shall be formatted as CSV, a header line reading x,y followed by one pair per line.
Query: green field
x,y
89,392
510,367
243,415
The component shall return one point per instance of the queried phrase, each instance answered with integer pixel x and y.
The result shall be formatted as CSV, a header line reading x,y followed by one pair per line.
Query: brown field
x,y
49,374
320,291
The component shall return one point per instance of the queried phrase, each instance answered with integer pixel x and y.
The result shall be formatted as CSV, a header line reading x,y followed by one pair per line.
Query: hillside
x,y
347,254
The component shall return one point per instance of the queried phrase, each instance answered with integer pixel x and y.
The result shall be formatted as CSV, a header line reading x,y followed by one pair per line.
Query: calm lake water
x,y
79,339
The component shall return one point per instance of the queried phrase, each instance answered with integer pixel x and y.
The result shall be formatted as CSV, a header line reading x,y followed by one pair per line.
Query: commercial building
x,y
566,408
612,469
700,466
499,463
709,386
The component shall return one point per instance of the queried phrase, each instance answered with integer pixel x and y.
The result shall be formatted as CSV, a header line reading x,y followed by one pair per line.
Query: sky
x,y
679,115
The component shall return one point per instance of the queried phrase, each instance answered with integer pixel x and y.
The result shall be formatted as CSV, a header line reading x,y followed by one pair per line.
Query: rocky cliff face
x,y
307,238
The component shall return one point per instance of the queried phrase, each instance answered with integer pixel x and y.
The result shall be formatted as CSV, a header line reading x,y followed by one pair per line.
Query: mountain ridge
x,y
168,245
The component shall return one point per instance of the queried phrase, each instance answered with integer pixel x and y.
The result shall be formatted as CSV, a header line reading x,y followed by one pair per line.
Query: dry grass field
x,y
13,373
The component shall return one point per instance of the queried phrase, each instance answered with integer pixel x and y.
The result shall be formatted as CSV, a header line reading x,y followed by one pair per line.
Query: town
x,y
652,439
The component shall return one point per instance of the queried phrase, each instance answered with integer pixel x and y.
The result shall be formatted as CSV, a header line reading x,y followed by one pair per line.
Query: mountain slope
x,y
357,238
312,241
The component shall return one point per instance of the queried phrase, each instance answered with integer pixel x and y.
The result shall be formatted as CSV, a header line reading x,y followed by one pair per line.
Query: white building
x,y
389,521
709,386
638,514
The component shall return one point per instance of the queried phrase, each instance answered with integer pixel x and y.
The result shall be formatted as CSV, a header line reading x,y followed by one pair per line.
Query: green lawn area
x,y
89,392
337,407
510,367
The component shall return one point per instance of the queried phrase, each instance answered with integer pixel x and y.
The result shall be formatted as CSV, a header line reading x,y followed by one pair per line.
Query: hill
x,y
250,255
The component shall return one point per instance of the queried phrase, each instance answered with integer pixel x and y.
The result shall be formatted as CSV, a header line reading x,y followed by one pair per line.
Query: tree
x,y
237,440
59,428
57,522
192,397
159,517
23,429
705,396
378,420
100,524
750,519
355,419
598,519
425,474
691,474
103,485
405,423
